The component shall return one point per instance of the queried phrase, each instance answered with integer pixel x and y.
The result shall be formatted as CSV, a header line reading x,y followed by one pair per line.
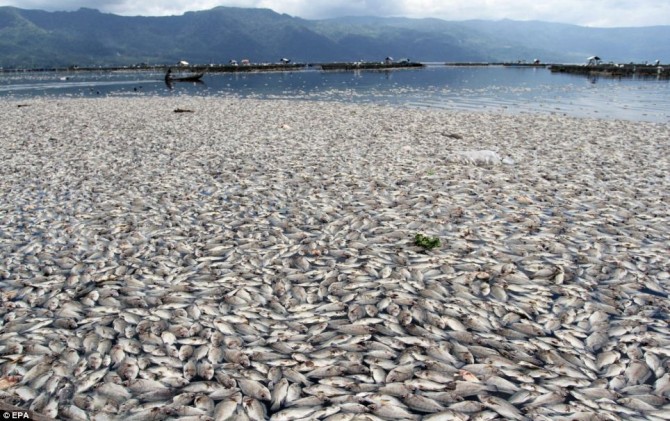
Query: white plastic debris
x,y
485,157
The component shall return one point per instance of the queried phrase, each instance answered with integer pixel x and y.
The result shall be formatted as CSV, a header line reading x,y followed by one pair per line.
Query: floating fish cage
x,y
615,70
362,65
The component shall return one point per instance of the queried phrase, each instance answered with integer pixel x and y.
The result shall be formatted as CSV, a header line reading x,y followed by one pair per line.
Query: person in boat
x,y
168,78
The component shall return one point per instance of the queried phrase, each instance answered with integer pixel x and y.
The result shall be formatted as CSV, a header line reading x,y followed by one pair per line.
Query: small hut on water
x,y
594,61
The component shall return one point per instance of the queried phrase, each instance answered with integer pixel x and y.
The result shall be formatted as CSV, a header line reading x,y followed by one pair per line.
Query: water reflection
x,y
501,89
171,83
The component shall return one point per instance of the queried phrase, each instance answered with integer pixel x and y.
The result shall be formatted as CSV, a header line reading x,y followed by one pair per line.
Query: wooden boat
x,y
169,78
188,78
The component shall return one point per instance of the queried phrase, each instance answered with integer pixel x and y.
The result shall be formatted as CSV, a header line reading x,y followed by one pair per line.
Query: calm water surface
x,y
490,88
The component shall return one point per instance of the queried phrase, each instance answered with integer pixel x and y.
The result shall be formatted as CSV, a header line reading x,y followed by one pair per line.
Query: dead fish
x,y
225,409
278,394
295,413
422,403
254,389
502,407
254,409
390,411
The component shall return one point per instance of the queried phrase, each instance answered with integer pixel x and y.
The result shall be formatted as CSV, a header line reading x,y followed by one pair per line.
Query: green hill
x,y
87,37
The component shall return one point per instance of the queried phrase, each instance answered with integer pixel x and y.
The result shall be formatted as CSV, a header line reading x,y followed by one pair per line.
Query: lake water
x,y
487,88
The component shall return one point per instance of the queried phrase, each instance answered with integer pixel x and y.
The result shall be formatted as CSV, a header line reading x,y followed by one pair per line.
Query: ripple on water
x,y
482,88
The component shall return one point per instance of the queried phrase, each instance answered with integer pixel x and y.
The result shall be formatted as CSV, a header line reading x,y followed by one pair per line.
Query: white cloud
x,y
581,12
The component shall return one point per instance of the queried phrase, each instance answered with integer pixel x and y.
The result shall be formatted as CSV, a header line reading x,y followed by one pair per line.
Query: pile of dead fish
x,y
256,260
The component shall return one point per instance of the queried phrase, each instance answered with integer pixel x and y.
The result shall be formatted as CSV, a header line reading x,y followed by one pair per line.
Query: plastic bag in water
x,y
485,157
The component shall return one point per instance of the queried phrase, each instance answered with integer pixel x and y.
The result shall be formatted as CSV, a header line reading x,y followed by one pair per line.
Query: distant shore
x,y
232,68
611,70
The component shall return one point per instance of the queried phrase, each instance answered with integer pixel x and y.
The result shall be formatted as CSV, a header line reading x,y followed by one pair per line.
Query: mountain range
x,y
87,37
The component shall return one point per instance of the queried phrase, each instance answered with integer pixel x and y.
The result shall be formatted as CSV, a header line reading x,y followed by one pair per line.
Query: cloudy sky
x,y
602,13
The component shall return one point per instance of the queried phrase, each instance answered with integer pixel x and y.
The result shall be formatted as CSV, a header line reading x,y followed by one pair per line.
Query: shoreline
x,y
223,249
503,111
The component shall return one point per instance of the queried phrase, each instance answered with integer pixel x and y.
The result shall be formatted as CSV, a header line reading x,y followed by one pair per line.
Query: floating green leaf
x,y
426,242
